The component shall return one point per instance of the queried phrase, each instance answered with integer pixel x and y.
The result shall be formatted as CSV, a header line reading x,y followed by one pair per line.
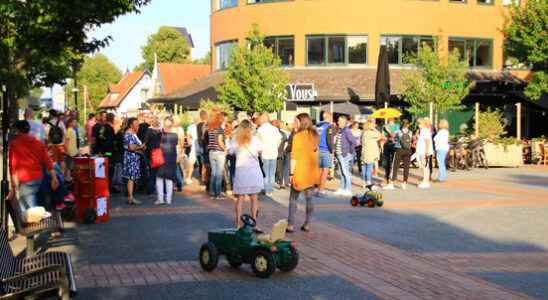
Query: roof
x,y
331,84
184,32
178,76
117,92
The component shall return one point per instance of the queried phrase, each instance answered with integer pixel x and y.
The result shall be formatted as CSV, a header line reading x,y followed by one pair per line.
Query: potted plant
x,y
500,152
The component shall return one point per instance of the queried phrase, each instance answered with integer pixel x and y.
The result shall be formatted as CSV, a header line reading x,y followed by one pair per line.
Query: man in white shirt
x,y
270,137
37,130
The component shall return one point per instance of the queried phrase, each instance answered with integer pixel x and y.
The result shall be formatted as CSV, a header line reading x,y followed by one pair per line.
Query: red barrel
x,y
91,189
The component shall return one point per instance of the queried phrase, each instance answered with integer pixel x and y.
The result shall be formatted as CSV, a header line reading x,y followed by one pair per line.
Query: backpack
x,y
55,135
406,141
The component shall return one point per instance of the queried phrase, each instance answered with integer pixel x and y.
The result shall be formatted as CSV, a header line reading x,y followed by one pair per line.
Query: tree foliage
x,y
96,74
435,80
526,32
254,81
169,45
43,41
206,60
210,106
491,124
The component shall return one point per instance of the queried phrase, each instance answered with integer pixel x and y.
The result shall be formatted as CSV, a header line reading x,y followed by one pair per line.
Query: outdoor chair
x,y
53,224
40,275
543,155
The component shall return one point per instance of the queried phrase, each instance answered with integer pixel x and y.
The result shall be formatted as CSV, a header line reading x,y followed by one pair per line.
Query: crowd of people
x,y
157,154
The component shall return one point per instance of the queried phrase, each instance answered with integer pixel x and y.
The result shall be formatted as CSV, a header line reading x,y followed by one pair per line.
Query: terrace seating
x,y
543,155
30,230
35,276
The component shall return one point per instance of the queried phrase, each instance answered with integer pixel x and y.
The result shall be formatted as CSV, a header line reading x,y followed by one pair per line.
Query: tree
x,y
42,42
169,46
254,81
435,80
206,60
492,123
96,73
526,33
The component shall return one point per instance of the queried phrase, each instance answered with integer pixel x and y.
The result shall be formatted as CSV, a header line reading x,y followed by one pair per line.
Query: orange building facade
x,y
349,33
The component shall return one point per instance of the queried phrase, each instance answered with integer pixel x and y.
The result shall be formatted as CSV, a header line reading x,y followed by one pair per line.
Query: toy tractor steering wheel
x,y
248,220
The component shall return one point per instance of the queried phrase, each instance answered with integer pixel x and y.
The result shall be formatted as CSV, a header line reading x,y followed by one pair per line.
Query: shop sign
x,y
301,92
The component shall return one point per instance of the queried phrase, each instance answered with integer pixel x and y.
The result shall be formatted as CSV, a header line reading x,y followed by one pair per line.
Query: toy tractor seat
x,y
277,234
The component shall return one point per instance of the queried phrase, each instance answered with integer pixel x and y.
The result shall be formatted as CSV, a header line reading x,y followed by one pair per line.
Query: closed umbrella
x,y
382,84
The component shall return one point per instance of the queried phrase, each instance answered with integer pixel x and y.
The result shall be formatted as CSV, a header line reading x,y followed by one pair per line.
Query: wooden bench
x,y
39,275
30,230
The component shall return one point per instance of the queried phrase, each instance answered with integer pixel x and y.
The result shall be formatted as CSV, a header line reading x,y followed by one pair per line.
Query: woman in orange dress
x,y
305,169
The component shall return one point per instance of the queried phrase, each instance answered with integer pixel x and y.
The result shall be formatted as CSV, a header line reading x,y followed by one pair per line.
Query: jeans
x,y
367,172
345,163
217,163
28,194
440,157
179,178
164,188
293,199
269,169
405,156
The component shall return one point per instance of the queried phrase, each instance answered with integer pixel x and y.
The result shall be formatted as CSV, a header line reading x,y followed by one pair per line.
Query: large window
x,y
222,4
334,50
477,52
401,49
486,2
284,47
264,1
223,51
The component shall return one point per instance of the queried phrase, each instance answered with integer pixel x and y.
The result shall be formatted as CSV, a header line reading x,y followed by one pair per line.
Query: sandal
x,y
290,229
305,228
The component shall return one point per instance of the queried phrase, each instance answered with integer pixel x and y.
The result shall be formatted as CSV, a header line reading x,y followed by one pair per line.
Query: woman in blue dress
x,y
132,158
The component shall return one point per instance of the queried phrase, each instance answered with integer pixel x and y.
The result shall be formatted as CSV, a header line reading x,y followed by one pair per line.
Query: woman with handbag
x,y
132,158
248,178
304,172
165,159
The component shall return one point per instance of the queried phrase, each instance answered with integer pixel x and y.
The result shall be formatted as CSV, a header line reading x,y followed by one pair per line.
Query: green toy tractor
x,y
369,198
265,252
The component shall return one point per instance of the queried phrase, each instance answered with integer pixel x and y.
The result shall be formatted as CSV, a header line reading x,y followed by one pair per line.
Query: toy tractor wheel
x,y
209,257
354,201
370,203
363,202
89,216
263,264
380,203
234,262
292,262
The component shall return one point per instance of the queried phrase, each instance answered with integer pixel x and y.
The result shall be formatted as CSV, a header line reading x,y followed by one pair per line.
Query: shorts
x,y
326,160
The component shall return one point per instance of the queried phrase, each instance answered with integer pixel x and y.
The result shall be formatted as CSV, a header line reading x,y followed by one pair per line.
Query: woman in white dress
x,y
248,180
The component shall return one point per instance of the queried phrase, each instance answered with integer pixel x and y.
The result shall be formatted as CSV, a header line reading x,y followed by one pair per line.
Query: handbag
x,y
157,155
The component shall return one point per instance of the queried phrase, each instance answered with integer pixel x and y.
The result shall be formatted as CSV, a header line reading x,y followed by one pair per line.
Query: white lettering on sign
x,y
301,92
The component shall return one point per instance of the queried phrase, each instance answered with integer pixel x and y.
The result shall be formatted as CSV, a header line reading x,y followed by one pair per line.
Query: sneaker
x,y
424,185
389,186
347,193
268,194
188,181
60,206
404,186
375,187
338,192
158,202
135,201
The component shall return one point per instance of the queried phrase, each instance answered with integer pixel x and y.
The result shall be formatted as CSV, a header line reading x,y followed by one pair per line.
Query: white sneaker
x,y
158,202
404,186
389,186
424,185
339,192
347,193
374,187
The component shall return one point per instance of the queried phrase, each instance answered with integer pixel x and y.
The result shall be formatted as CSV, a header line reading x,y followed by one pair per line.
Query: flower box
x,y
501,155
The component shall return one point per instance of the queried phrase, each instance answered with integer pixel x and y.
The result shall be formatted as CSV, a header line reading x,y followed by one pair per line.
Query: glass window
x,y
487,2
223,51
392,44
483,54
410,48
286,50
357,49
459,46
511,2
316,50
478,53
221,4
336,50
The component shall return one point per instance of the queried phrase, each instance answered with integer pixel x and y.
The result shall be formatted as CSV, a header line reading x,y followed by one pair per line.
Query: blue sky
x,y
130,32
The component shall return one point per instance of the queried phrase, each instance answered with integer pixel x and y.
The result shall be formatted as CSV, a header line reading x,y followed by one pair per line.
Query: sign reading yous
x,y
301,92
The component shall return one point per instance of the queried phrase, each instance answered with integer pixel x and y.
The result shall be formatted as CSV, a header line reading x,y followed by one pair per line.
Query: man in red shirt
x,y
28,158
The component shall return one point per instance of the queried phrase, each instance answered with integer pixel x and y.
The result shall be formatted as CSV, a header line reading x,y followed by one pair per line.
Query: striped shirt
x,y
213,139
338,143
